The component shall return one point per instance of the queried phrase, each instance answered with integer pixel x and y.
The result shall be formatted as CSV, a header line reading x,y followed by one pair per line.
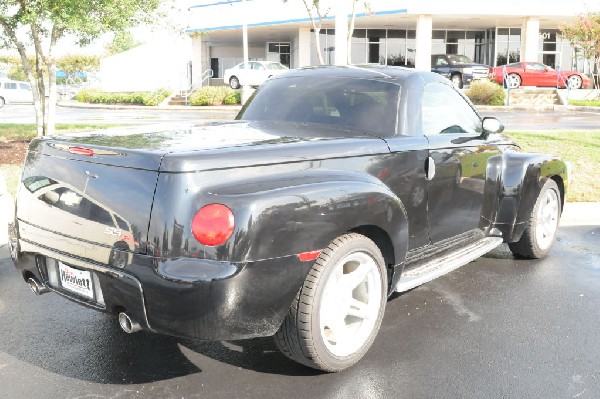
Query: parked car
x,y
12,91
537,74
252,73
333,189
458,68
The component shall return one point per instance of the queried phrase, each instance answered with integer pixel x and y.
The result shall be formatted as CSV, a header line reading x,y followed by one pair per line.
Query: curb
x,y
189,108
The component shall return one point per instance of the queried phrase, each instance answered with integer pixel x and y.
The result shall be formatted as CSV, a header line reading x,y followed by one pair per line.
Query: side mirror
x,y
491,125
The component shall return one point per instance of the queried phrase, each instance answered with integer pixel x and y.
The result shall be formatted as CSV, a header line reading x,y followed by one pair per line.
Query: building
x,y
391,32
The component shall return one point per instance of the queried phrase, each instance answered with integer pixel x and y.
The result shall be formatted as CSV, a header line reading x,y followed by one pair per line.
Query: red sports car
x,y
537,74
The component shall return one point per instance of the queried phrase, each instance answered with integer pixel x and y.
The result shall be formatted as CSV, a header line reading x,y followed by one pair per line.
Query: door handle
x,y
429,168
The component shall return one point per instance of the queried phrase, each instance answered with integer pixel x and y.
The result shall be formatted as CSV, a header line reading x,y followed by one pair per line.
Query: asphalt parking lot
x,y
497,327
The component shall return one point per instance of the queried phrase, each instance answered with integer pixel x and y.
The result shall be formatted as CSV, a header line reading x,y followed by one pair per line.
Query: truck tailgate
x,y
92,202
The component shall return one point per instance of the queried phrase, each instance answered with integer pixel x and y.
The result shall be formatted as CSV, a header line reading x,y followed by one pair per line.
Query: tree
x,y
40,25
318,11
316,15
122,41
585,34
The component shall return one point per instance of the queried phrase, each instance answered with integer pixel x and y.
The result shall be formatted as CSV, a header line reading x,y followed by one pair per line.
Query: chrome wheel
x,y
234,82
456,79
513,81
350,304
547,217
574,82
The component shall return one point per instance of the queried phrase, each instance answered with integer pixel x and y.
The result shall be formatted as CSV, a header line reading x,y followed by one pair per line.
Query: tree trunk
x,y
317,32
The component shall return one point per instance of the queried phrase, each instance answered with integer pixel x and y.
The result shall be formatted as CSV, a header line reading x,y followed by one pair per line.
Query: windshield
x,y
361,104
276,65
459,59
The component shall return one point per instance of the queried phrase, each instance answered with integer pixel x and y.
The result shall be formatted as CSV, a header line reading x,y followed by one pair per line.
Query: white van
x,y
12,91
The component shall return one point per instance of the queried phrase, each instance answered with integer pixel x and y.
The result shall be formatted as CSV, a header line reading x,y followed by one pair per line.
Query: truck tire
x,y
542,226
337,312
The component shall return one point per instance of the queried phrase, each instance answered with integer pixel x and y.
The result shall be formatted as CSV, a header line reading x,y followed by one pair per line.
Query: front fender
x,y
514,181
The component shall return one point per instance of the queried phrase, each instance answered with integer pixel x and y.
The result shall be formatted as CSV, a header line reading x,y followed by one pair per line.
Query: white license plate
x,y
77,281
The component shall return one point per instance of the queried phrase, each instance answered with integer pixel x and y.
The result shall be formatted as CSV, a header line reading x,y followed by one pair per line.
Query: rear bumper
x,y
191,298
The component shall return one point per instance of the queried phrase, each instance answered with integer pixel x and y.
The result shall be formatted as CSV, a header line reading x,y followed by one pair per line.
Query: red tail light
x,y
213,225
81,151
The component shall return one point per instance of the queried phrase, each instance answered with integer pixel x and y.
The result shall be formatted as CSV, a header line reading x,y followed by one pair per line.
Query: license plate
x,y
77,281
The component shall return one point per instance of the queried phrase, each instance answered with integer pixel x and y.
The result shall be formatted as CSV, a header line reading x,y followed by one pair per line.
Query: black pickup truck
x,y
334,188
458,68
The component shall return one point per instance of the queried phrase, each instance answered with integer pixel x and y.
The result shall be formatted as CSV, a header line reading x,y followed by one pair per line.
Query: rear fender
x,y
514,181
278,215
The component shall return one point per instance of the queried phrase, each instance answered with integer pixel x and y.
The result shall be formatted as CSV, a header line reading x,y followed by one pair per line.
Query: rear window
x,y
361,104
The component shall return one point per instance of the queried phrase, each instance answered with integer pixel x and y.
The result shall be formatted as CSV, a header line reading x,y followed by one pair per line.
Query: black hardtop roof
x,y
370,71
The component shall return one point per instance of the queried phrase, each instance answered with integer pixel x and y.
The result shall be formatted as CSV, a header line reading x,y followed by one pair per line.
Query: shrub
x,y
215,95
96,96
484,92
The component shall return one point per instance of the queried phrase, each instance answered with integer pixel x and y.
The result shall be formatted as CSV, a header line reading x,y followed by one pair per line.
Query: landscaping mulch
x,y
13,152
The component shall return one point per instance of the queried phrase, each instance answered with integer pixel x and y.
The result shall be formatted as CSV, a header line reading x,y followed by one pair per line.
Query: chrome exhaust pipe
x,y
36,287
128,324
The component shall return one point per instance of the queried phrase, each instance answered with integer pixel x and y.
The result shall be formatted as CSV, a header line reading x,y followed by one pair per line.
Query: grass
x,y
581,149
12,174
17,131
585,103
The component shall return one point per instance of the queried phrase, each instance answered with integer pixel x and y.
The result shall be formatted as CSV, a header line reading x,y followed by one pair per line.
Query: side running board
x,y
445,264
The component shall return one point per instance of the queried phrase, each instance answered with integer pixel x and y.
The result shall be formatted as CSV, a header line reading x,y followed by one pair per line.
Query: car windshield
x,y
459,59
275,65
361,104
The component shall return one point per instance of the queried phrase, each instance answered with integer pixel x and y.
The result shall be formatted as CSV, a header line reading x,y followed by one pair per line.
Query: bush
x,y
96,96
216,95
484,92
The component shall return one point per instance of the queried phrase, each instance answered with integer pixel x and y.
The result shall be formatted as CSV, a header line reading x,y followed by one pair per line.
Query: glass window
x,y
396,52
444,111
100,215
360,104
24,86
122,224
396,34
359,33
10,86
375,34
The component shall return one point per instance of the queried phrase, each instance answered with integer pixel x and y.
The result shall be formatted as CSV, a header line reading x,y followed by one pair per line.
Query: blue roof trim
x,y
288,21
216,4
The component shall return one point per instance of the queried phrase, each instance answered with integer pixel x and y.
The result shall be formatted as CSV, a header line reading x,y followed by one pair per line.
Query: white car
x,y
252,73
13,91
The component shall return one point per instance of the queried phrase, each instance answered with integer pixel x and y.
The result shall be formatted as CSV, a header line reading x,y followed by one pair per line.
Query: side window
x,y
10,86
24,86
444,111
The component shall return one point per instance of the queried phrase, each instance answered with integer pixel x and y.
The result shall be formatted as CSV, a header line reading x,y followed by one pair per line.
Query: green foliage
x,y
215,95
484,92
585,34
41,24
73,63
121,42
95,96
585,103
